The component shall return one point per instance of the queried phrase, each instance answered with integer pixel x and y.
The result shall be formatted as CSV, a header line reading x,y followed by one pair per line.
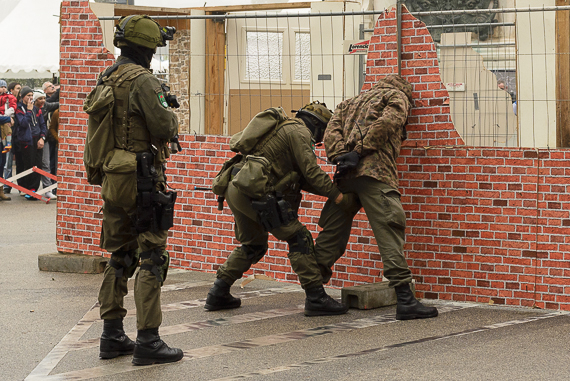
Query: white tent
x,y
30,38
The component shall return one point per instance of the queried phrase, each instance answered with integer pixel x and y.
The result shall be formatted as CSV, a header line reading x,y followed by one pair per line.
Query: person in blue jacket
x,y
29,136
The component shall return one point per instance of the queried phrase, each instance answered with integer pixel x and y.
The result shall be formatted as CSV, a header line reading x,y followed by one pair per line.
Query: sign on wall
x,y
355,47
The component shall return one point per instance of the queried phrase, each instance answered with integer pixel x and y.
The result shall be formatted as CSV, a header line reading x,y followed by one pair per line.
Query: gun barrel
x,y
203,189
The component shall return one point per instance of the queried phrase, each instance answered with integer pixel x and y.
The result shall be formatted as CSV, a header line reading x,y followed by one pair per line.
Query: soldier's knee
x,y
124,262
254,252
301,242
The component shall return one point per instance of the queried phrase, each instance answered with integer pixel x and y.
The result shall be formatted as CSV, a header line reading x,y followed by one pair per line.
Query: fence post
x,y
563,76
399,27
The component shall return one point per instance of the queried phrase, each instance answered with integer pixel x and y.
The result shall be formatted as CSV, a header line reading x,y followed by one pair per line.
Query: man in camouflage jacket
x,y
363,138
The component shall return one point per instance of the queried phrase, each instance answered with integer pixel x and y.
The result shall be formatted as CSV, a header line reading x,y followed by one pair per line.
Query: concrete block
x,y
72,263
369,296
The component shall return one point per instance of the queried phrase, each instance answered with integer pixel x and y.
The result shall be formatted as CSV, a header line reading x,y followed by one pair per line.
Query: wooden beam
x,y
563,76
125,10
256,7
215,59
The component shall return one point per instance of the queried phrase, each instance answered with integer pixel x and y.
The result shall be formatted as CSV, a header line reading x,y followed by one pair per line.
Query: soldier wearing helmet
x,y
288,151
142,125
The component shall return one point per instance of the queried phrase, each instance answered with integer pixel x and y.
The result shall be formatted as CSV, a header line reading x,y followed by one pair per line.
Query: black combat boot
x,y
408,306
150,349
114,342
318,303
219,297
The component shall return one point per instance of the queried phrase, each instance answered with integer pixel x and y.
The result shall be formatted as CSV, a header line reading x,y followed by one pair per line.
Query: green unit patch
x,y
162,100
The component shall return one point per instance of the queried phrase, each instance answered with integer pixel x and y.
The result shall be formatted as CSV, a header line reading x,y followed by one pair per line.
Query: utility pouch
x,y
223,178
286,213
253,178
100,138
267,210
165,209
144,219
120,180
273,212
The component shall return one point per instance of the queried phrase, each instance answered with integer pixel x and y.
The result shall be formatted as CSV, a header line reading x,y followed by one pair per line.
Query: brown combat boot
x,y
3,197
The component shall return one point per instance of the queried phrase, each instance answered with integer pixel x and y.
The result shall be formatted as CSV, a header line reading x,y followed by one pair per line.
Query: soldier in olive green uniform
x,y
288,150
142,127
363,138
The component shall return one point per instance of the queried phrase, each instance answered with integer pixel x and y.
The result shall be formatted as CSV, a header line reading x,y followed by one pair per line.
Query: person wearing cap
x,y
141,141
363,139
289,149
28,138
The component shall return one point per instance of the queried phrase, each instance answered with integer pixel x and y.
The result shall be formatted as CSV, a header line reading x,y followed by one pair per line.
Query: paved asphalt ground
x,y
49,329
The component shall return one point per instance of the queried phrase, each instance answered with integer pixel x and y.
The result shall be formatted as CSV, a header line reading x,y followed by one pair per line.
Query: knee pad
x,y
254,252
160,262
301,242
124,262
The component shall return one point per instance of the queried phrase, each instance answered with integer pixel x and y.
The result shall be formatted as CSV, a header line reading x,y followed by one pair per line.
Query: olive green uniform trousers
x,y
117,235
254,238
387,219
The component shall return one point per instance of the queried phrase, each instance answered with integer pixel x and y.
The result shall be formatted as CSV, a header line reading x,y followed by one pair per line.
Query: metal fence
x,y
506,70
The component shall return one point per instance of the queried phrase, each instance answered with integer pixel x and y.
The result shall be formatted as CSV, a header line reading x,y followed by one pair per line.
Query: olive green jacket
x,y
141,121
290,149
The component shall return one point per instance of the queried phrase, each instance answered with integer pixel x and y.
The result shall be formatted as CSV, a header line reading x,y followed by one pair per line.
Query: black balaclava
x,y
312,124
139,54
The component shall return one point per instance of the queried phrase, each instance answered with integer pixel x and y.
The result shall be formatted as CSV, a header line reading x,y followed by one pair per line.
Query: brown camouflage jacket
x,y
372,124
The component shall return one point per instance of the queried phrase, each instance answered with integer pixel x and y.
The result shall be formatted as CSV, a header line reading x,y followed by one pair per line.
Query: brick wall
x,y
484,224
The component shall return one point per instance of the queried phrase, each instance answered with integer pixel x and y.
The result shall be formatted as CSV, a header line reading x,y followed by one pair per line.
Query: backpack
x,y
100,138
256,170
245,141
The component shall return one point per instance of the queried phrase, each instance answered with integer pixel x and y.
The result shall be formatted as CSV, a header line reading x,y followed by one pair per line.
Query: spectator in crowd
x,y
49,152
54,135
40,102
29,137
501,84
5,121
52,92
8,104
14,89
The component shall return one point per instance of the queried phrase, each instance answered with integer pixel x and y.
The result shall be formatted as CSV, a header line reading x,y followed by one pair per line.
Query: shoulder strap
x,y
259,147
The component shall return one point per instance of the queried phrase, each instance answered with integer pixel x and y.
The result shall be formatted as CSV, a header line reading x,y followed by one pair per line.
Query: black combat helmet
x,y
316,116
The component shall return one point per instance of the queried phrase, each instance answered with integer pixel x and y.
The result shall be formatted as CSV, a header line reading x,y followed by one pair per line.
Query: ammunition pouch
x,y
273,211
155,209
160,262
130,262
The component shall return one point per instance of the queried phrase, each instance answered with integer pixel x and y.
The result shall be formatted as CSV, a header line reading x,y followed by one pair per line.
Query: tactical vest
x,y
130,130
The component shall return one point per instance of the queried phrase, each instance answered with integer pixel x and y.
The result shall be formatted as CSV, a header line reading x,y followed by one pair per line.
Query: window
x,y
264,57
302,56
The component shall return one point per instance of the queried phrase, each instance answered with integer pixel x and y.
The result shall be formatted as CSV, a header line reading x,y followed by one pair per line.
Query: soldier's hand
x,y
344,163
349,160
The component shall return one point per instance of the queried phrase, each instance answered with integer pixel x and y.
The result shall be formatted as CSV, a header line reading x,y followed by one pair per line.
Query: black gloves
x,y
344,163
